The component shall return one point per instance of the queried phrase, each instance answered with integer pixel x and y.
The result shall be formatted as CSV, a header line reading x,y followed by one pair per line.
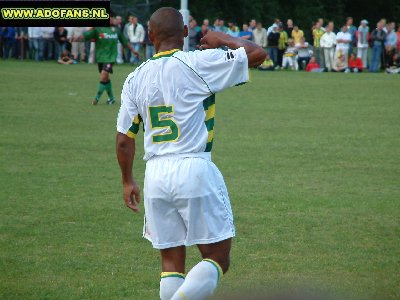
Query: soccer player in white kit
x,y
185,198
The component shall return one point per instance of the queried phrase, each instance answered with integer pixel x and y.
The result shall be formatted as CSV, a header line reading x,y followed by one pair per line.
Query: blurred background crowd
x,y
325,46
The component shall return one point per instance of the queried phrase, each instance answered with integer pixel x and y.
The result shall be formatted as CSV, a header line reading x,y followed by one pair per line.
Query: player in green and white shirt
x,y
106,55
185,197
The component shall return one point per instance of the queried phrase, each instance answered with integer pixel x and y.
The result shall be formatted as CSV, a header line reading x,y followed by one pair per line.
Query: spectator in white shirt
x,y
343,40
328,43
35,35
135,34
260,35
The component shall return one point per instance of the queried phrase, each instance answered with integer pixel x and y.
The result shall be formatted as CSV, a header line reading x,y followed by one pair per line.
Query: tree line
x,y
303,12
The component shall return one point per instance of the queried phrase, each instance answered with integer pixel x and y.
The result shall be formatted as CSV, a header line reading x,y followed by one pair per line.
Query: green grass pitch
x,y
311,161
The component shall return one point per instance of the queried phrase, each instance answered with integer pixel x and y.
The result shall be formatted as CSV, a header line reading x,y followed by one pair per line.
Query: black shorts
x,y
105,67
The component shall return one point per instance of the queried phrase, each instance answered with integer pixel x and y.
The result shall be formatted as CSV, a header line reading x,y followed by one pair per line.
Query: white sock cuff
x,y
172,274
216,265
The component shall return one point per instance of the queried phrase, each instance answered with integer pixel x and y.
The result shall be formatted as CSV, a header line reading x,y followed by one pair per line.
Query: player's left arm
x,y
255,54
125,43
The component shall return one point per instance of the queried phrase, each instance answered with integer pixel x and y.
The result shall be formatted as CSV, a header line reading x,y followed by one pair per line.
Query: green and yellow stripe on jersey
x,y
164,54
209,109
134,129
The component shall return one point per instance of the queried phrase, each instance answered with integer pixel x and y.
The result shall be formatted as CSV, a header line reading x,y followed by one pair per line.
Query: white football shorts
x,y
186,201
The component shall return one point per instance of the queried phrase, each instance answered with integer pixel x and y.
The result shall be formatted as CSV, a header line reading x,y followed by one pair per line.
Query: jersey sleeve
x,y
90,34
128,117
221,69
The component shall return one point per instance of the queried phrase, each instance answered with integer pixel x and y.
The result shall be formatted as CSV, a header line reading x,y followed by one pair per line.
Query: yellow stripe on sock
x,y
172,274
216,265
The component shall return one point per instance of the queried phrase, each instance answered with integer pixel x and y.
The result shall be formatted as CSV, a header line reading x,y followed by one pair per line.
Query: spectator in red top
x,y
312,65
355,64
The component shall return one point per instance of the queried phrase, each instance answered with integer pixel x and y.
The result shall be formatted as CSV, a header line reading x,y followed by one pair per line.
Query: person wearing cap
x,y
362,44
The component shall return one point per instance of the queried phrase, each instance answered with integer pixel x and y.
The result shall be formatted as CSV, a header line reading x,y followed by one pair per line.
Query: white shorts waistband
x,y
204,155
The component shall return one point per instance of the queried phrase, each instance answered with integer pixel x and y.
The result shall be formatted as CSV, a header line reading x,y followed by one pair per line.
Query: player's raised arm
x,y
255,54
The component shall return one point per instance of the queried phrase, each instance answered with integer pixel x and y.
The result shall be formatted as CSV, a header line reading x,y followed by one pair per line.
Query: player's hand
x,y
213,40
132,195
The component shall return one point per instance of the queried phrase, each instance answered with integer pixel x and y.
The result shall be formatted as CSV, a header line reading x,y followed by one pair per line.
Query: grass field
x,y
311,161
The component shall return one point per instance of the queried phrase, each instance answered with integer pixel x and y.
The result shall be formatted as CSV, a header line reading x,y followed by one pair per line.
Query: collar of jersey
x,y
164,54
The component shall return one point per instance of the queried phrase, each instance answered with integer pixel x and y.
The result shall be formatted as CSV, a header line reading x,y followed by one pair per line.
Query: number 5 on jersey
x,y
158,120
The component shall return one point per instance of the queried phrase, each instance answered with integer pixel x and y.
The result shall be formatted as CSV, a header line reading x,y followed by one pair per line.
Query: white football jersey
x,y
173,93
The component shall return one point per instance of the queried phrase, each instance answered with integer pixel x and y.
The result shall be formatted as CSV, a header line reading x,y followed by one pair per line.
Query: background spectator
x,y
289,27
313,66
318,51
378,36
351,29
60,36
77,44
328,44
398,39
282,43
260,35
48,42
8,41
2,31
341,63
267,65
233,30
135,34
192,34
274,25
355,63
303,53
221,26
273,40
362,42
343,41
22,42
290,56
246,34
390,44
118,23
206,23
297,34
150,50
395,67
36,43
252,25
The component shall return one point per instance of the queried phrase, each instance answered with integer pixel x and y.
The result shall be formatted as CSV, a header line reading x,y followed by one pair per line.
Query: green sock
x,y
109,91
100,89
